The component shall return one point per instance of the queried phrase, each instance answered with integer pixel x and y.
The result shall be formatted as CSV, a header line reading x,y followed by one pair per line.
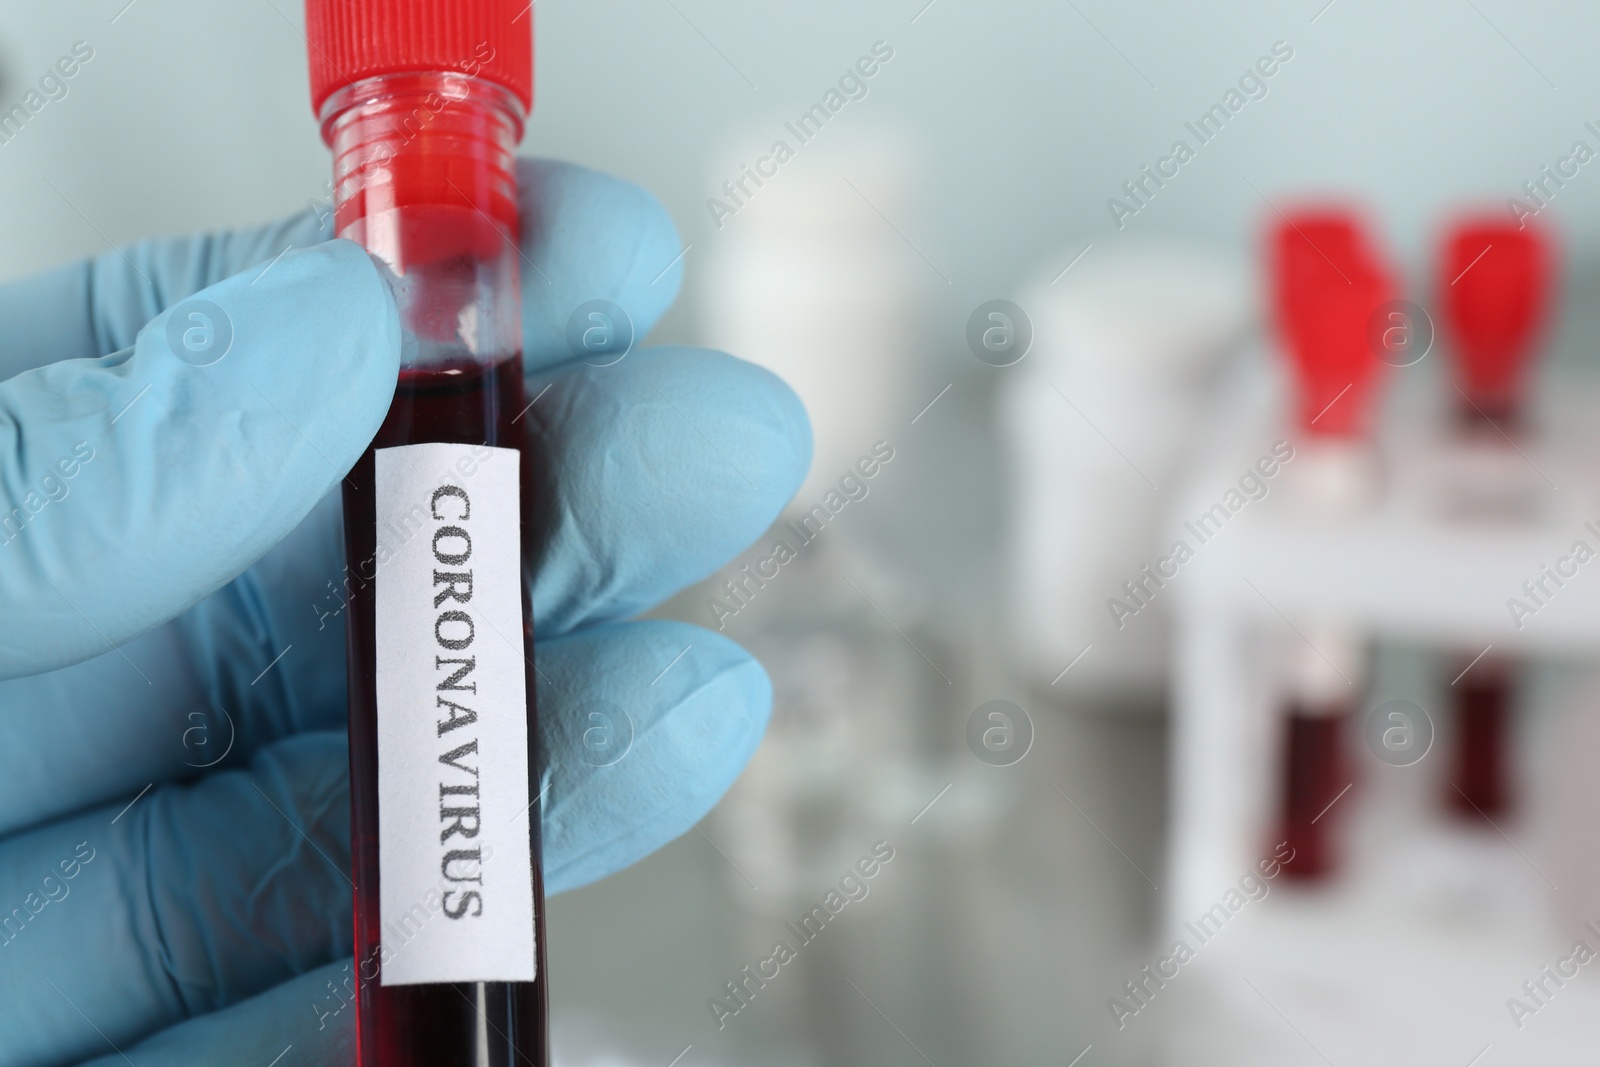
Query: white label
x,y
456,892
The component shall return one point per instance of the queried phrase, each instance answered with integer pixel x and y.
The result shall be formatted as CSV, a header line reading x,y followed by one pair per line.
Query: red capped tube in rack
x,y
1328,285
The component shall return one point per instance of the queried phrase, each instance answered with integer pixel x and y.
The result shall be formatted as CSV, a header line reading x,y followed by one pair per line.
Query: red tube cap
x,y
348,40
1328,280
1495,279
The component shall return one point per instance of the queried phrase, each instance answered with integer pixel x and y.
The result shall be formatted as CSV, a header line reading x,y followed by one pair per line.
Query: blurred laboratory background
x,y
1188,617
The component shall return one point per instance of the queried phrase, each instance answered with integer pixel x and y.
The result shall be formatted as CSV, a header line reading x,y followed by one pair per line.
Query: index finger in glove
x,y
135,484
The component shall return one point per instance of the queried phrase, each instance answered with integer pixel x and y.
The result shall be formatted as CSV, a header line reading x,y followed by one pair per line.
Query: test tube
x,y
422,103
1327,283
1494,280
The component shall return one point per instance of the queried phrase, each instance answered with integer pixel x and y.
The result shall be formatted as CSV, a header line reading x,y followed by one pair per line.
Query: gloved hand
x,y
173,794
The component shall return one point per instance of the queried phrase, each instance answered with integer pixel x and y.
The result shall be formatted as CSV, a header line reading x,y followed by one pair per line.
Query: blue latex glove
x,y
173,637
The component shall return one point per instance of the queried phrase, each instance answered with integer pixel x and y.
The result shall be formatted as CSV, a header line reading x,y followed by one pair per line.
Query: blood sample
x,y
1328,283
1494,280
1324,687
1480,783
422,102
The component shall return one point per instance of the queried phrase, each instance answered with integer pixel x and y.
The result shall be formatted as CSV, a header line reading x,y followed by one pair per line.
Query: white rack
x,y
1455,535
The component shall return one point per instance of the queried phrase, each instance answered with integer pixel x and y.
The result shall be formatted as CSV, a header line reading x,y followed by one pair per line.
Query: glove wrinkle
x,y
165,974
231,635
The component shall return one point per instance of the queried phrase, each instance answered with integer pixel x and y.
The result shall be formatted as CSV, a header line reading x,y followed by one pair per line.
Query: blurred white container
x,y
1097,420
809,279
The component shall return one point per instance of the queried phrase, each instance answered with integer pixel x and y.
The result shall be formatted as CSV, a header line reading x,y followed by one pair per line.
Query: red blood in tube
x,y
465,1023
1479,776
1315,774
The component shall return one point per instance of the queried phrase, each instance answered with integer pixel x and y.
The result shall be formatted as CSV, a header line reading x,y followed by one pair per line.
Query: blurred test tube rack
x,y
1458,535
